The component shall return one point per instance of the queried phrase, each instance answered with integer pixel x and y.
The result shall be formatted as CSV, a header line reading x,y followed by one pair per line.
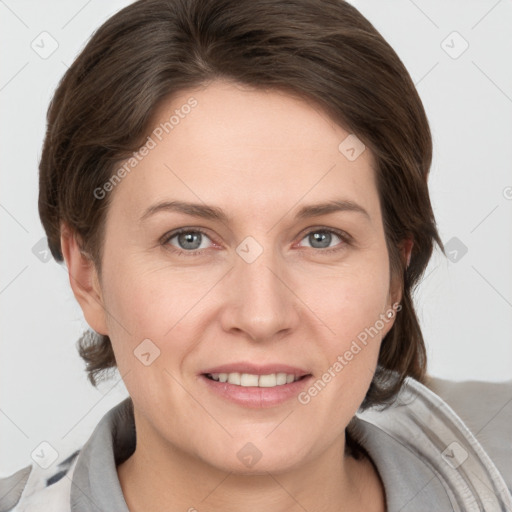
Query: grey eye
x,y
189,240
320,239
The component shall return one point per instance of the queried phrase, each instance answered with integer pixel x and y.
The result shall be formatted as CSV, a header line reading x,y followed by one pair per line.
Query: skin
x,y
260,156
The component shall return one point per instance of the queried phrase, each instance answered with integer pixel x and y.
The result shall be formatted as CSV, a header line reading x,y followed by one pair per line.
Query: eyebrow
x,y
214,213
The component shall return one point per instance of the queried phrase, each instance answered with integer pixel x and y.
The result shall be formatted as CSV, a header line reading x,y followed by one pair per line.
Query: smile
x,y
252,380
256,391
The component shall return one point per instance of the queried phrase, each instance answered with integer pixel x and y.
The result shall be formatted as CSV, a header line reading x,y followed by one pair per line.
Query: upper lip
x,y
265,369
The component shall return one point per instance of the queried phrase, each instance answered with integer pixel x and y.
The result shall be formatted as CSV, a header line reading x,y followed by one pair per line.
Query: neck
x,y
165,479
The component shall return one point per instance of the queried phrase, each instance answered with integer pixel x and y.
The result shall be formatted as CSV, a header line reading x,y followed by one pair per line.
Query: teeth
x,y
247,379
234,378
268,381
251,380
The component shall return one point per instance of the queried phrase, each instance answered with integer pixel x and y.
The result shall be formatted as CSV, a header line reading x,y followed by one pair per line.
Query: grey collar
x,y
427,457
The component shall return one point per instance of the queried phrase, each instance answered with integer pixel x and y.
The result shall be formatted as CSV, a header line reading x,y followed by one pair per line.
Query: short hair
x,y
324,51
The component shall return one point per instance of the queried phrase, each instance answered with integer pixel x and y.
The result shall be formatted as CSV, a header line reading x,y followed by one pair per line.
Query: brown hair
x,y
323,50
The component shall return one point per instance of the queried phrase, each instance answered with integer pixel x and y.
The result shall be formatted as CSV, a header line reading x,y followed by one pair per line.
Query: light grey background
x,y
465,305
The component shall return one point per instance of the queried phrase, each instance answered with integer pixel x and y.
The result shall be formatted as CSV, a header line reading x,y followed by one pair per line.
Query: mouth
x,y
269,380
256,386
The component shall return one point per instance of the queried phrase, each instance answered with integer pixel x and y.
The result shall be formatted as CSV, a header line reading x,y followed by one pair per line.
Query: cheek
x,y
158,303
354,300
354,308
166,304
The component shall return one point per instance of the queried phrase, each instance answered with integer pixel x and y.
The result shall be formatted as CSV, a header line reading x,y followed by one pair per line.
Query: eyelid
x,y
343,235
339,232
164,240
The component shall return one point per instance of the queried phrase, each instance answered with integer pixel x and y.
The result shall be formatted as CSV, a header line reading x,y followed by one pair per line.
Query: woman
x,y
239,192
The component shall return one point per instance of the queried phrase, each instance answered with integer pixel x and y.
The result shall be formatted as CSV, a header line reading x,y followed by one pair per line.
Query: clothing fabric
x,y
428,457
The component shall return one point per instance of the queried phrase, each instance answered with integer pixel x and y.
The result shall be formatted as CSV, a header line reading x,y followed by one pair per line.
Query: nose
x,y
259,299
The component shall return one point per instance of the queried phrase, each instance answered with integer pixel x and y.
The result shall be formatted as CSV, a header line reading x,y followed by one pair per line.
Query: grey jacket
x,y
433,454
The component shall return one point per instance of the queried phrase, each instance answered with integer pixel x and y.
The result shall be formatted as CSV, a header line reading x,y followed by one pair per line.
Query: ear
x,y
406,250
405,256
84,281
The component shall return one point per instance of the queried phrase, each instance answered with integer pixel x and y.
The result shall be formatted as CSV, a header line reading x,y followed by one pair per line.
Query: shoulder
x,y
486,409
453,436
34,489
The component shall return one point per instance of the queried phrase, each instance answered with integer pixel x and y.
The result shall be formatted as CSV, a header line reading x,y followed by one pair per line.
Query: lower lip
x,y
256,397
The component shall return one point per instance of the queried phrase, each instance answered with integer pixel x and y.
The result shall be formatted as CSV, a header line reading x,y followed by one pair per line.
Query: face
x,y
252,280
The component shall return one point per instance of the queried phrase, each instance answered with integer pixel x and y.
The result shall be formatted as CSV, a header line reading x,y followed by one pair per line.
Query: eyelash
x,y
346,239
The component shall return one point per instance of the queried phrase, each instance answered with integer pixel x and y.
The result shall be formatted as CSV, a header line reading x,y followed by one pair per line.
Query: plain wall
x,y
464,302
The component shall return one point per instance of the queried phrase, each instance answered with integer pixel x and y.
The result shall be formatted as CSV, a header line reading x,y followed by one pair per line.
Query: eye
x,y
188,241
321,238
193,242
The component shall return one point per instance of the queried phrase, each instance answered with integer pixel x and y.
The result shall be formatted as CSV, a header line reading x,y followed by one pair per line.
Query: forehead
x,y
250,150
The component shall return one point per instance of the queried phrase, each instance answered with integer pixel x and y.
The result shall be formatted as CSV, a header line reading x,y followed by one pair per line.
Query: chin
x,y
258,458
